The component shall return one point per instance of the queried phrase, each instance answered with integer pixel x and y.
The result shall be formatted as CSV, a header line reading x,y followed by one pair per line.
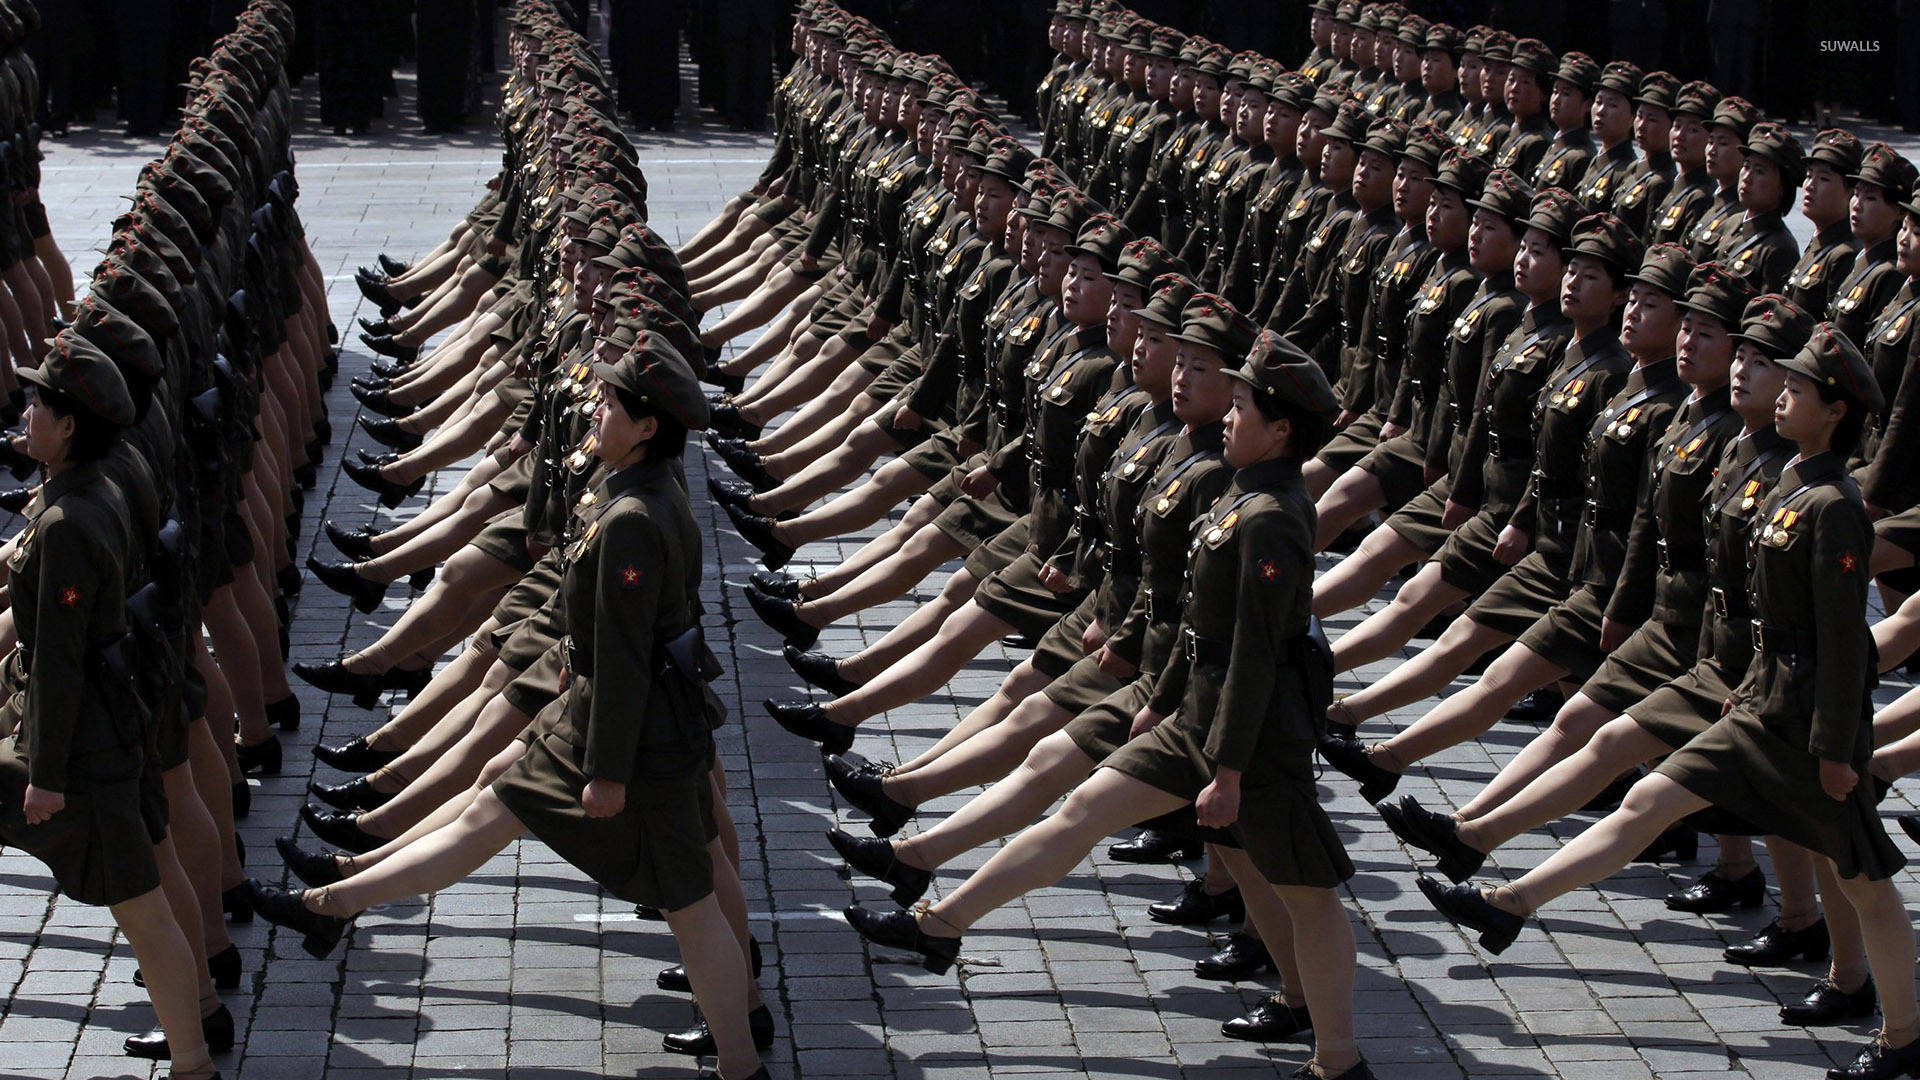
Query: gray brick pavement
x,y
526,969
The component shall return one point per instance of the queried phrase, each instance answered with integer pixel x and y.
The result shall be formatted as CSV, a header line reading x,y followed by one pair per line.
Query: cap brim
x,y
1702,309
609,374
37,376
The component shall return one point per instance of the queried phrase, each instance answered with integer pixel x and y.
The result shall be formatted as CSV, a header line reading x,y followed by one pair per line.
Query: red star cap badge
x,y
630,576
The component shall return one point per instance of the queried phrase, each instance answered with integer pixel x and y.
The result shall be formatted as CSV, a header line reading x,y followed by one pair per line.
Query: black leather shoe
x,y
339,828
389,434
899,930
809,721
775,583
385,345
1198,907
262,758
365,593
1242,957
1711,893
16,500
375,461
375,326
731,492
242,800
1828,1004
388,371
1878,1061
1777,945
727,420
779,615
697,1040
355,756
1270,1021
355,794
223,967
867,792
391,266
233,902
715,375
1359,1071
1350,757
1465,905
378,401
317,871
377,294
1152,847
307,476
747,464
1680,843
1434,833
216,1026
390,493
334,678
319,933
818,670
675,977
1539,707
874,857
285,713
758,531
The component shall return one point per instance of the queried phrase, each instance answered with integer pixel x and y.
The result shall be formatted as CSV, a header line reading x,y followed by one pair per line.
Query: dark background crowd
x,y
127,59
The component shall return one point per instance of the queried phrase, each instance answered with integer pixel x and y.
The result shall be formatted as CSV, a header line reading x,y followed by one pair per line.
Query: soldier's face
x,y
1568,107
1406,62
616,435
1824,198
1762,188
1907,250
1688,142
1180,89
1587,293
1249,123
1159,77
1201,390
1248,437
1537,267
1651,322
1724,155
1373,179
1340,41
1338,163
1362,47
1493,80
1053,262
1652,129
1085,292
1491,243
1756,384
1799,414
1280,126
1522,93
1309,143
1206,95
992,202
1613,119
1872,213
969,185
1705,351
1437,73
1412,191
47,433
1472,71
1134,70
1153,360
1446,219
1320,28
1123,326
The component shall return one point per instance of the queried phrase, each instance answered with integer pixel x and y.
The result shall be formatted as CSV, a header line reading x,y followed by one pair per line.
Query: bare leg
x,y
1384,631
1564,788
1573,727
173,980
717,969
1355,495
982,759
1468,714
198,851
924,670
1051,770
913,631
1358,578
1428,673
1653,805
877,550
427,865
1024,680
885,581
894,483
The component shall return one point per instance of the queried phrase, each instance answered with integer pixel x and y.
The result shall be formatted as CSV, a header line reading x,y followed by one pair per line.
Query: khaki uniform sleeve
x,y
69,591
1842,644
631,570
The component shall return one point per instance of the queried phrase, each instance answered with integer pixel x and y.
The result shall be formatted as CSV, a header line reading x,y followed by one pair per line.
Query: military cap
x,y
122,339
1008,160
1498,47
1347,11
1658,89
1330,96
1103,238
1168,298
1369,18
1039,206
1665,267
1532,54
138,298
1555,213
1386,136
179,195
1279,368
1426,145
1071,209
78,369
1240,65
1442,37
1502,192
1832,361
1736,114
1211,321
1324,7
602,234
656,373
980,141
1839,149
1143,260
1774,143
1262,76
1581,70
1413,30
1463,172
1165,43
1213,61
1623,77
1607,238
1884,168
1697,98
1293,89
139,233
1474,40
1716,291
1775,325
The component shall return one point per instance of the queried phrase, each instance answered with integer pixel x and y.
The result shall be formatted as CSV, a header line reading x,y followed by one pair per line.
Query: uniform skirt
x,y
539,685
938,456
1059,647
1400,465
1568,635
99,847
1679,711
1418,522
504,539
1083,686
1281,826
1655,655
1902,530
1466,558
999,551
1102,729
971,522
1015,596
1742,764
527,620
1517,600
653,852
514,481
1353,443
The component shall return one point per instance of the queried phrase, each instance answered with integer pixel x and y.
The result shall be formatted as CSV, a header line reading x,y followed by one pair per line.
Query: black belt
x,y
1043,477
1154,613
1612,518
1780,641
1214,652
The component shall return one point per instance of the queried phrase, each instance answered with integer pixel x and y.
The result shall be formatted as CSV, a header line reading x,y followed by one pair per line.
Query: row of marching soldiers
x,y
173,416
1535,311
547,339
